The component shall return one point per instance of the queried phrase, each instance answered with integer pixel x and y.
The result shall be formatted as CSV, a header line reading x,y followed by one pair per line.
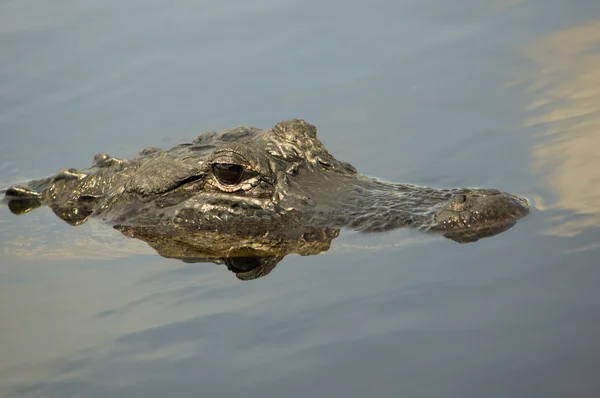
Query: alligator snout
x,y
474,207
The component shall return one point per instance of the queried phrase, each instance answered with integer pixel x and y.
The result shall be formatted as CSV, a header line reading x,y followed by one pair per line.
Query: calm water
x,y
496,93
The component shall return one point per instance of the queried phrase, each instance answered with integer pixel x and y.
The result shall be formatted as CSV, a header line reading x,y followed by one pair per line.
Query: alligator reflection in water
x,y
249,254
248,197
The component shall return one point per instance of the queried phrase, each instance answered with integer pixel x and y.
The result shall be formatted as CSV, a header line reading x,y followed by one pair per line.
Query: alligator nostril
x,y
462,198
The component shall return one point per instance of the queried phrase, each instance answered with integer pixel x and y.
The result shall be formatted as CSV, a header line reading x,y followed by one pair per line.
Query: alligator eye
x,y
243,264
228,174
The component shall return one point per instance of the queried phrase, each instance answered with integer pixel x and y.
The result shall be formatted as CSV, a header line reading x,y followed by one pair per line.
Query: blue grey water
x,y
495,93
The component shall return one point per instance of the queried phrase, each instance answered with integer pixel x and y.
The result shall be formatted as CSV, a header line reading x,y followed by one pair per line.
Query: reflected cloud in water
x,y
567,110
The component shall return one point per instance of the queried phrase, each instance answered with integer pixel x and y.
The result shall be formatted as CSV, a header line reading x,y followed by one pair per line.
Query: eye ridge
x,y
228,173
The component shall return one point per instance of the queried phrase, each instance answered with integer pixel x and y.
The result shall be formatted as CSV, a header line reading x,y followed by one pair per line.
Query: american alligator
x,y
244,180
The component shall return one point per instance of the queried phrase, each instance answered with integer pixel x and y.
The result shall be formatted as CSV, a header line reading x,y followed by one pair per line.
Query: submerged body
x,y
246,178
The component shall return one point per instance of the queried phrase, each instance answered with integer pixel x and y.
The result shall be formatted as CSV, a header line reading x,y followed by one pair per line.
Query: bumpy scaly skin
x,y
286,177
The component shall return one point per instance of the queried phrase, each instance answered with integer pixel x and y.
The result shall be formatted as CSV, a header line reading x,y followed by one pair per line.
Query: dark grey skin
x,y
247,179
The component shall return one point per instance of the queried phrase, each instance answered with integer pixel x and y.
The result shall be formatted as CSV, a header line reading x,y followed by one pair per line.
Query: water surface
x,y
499,93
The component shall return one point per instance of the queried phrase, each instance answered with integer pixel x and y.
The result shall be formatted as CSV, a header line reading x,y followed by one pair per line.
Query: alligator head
x,y
245,178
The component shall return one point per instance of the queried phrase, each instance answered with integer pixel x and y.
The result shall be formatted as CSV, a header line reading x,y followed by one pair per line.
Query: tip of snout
x,y
517,204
